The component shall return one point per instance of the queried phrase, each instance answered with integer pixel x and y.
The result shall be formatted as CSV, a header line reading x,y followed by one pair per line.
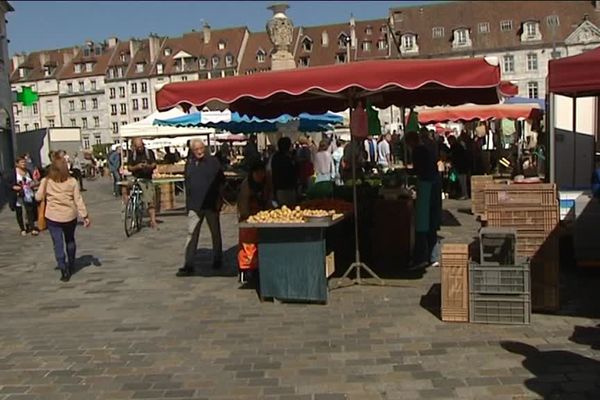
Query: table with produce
x,y
295,254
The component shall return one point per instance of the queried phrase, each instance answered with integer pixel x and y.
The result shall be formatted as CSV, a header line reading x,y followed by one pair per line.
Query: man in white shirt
x,y
371,150
384,153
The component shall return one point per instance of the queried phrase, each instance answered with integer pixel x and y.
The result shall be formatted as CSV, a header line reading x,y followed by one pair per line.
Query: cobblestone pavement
x,y
126,328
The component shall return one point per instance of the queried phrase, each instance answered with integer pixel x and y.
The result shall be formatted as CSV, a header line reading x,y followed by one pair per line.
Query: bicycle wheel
x,y
130,217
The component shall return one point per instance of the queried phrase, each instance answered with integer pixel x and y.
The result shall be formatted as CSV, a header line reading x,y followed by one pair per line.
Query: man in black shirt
x,y
204,182
141,162
285,177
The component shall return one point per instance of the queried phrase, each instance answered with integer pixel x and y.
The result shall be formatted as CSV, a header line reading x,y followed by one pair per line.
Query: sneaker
x,y
184,271
23,233
435,264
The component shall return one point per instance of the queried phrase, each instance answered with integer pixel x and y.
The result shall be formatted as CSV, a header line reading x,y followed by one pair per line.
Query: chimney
x,y
134,46
43,59
352,31
112,41
324,39
154,45
17,60
206,33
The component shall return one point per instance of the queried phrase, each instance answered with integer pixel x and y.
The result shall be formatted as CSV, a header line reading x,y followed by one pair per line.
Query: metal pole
x,y
574,105
551,138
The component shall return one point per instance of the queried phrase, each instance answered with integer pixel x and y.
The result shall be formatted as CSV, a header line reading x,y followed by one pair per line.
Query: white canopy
x,y
146,129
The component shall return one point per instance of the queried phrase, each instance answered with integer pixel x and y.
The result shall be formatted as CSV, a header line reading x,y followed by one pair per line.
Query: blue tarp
x,y
246,124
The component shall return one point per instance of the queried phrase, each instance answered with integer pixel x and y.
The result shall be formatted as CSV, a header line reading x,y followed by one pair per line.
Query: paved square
x,y
126,328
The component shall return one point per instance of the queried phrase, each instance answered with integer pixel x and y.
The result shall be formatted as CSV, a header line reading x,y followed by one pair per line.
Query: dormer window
x,y
167,51
368,30
89,67
506,25
367,45
343,41
382,44
159,69
222,45
86,52
47,71
552,20
202,62
215,61
77,68
307,45
21,72
484,27
325,39
260,56
531,31
120,72
462,38
123,57
139,67
409,43
304,61
383,29
229,60
98,50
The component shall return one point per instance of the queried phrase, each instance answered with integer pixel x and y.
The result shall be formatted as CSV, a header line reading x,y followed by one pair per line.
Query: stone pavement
x,y
126,328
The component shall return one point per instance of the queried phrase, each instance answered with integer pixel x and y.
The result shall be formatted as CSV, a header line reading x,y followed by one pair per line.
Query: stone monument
x,y
281,31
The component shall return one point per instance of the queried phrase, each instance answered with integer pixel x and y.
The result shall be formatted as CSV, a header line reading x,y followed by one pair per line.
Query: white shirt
x,y
384,152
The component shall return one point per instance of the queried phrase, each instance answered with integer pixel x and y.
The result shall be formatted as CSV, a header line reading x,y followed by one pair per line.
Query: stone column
x,y
281,31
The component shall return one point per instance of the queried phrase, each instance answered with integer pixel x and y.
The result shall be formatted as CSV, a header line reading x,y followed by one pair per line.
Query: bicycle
x,y
134,209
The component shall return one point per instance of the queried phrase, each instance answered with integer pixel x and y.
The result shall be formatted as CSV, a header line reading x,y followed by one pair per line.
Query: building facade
x,y
6,117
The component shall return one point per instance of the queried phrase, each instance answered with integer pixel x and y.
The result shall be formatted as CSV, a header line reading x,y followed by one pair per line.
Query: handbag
x,y
41,215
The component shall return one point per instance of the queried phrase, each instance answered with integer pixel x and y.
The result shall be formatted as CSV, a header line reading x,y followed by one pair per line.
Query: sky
x,y
39,25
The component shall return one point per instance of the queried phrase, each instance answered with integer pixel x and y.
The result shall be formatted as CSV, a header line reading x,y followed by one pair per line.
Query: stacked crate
x,y
455,283
532,210
499,286
478,184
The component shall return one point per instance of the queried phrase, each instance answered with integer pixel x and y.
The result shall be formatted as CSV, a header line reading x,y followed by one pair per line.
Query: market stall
x,y
335,88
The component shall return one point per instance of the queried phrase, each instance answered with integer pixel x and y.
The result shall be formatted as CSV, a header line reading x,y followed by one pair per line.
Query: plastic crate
x,y
497,246
540,219
532,195
455,282
513,279
500,309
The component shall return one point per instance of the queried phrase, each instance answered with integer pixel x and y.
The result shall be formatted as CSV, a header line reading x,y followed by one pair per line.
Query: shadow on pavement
x,y
558,373
587,335
448,219
432,300
203,263
84,262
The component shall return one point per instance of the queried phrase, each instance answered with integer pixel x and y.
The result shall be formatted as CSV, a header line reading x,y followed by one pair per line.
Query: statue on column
x,y
281,31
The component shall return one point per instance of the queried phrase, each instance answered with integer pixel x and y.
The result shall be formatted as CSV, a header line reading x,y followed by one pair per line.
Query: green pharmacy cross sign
x,y
27,96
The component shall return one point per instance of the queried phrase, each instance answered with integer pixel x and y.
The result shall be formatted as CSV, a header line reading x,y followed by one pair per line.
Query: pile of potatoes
x,y
285,215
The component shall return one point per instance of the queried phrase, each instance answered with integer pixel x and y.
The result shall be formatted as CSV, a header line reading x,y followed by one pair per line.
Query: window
x,y
368,30
123,123
340,58
532,90
184,78
484,27
89,67
383,29
145,104
98,49
222,45
531,31
113,92
51,122
304,61
47,71
136,119
123,108
77,68
115,127
35,108
307,45
113,109
215,61
86,142
139,67
159,69
437,32
167,52
343,41
135,104
97,138
83,105
84,123
532,62
552,20
26,126
95,103
93,84
122,91
408,42
228,60
70,87
73,122
202,62
134,88
81,86
461,36
144,87
36,125
261,56
367,45
71,105
506,25
123,57
96,122
382,44
120,72
509,63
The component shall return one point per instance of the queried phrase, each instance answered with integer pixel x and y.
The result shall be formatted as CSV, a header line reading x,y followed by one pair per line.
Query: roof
x,y
100,63
576,75
141,56
33,61
421,20
257,41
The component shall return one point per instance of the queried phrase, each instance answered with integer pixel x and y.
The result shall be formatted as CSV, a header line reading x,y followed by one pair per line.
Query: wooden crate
x,y
534,219
455,282
478,185
521,195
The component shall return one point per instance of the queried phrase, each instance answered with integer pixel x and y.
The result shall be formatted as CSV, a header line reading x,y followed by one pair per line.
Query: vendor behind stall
x,y
171,158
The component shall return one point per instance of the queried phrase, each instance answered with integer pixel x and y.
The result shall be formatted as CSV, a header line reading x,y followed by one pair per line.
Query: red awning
x,y
331,88
575,76
509,89
480,112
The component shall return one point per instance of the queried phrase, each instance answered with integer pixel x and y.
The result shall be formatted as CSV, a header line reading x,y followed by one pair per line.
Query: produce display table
x,y
292,260
165,192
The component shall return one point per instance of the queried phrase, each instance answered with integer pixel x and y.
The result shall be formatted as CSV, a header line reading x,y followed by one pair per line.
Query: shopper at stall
x,y
63,203
337,155
305,164
354,148
384,153
428,215
251,153
141,164
460,165
171,158
372,152
324,166
284,174
22,200
204,184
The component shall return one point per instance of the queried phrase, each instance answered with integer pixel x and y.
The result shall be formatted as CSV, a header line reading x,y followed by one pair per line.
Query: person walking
x,y
63,204
22,198
204,183
114,165
77,171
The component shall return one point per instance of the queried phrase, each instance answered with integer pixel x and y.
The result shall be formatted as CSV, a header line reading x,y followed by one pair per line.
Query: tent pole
x,y
551,137
574,105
